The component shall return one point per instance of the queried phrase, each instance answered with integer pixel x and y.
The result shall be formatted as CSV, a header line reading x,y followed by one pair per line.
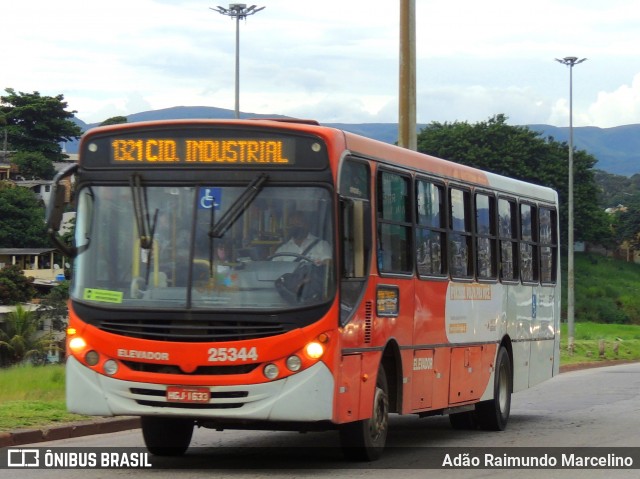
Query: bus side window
x,y
486,261
430,229
529,267
507,233
460,239
548,245
354,180
394,223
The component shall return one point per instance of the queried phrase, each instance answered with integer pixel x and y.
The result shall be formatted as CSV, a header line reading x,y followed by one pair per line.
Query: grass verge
x,y
32,396
589,338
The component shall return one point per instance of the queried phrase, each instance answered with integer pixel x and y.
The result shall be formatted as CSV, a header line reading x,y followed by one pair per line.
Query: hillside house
x,y
45,265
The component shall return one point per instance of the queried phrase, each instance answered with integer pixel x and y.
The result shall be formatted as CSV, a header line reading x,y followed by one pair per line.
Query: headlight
x,y
294,363
110,367
314,350
271,371
77,343
92,358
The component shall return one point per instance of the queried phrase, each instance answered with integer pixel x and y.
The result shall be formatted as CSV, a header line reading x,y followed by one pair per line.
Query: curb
x,y
67,431
595,364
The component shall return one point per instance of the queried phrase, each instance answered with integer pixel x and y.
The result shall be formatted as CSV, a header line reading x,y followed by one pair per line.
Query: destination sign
x,y
200,151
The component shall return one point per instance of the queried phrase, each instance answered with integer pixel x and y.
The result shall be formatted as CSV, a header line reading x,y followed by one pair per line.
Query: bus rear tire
x,y
166,436
493,415
365,440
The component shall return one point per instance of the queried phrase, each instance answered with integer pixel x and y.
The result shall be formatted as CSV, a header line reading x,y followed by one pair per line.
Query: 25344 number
x,y
232,354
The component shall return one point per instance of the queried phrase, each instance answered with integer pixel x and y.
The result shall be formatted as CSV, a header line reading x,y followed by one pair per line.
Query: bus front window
x,y
183,259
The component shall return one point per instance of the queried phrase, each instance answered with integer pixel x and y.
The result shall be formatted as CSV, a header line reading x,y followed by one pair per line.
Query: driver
x,y
302,242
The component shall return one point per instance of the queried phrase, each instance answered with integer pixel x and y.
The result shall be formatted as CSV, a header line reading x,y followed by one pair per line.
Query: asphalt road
x,y
587,408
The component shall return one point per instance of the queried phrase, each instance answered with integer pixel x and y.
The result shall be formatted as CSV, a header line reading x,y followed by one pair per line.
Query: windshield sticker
x,y
102,295
209,197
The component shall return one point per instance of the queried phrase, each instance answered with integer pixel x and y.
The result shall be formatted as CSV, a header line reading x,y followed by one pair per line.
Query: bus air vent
x,y
368,320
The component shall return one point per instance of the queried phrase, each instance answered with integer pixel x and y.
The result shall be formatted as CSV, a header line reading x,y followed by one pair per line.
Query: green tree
x,y
21,220
626,222
114,120
33,165
15,287
54,306
19,340
521,153
38,123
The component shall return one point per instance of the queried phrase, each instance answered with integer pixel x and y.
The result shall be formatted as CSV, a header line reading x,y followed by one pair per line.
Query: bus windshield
x,y
243,247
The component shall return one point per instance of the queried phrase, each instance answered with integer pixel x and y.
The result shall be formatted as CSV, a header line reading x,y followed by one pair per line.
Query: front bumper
x,y
306,397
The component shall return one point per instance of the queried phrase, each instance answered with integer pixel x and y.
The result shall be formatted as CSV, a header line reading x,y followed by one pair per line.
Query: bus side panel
x,y
466,374
348,389
542,368
441,374
519,307
429,323
370,365
422,379
429,366
473,316
543,345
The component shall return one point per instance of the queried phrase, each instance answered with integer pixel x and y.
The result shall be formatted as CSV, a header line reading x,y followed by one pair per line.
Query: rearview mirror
x,y
56,208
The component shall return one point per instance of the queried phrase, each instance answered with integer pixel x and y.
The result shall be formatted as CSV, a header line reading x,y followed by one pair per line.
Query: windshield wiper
x,y
238,207
146,226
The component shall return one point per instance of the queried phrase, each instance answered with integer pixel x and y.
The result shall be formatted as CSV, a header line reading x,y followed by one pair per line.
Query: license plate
x,y
185,394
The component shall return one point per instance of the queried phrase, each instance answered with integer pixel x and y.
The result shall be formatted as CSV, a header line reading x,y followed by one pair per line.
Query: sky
x,y
335,61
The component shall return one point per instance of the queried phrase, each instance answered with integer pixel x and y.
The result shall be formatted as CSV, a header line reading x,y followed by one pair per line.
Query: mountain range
x,y
617,149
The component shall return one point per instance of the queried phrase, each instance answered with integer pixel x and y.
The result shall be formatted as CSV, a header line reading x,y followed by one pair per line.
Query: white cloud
x,y
619,107
332,60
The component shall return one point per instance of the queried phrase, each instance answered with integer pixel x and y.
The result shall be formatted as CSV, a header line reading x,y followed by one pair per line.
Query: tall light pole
x,y
237,11
570,62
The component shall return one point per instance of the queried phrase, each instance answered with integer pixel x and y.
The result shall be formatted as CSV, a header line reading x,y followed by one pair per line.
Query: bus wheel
x,y
364,440
166,436
493,415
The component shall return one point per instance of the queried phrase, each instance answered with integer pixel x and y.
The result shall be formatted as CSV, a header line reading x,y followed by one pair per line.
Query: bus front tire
x,y
365,440
493,415
166,436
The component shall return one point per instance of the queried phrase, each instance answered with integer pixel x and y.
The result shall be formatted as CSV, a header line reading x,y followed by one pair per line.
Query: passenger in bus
x,y
302,241
222,264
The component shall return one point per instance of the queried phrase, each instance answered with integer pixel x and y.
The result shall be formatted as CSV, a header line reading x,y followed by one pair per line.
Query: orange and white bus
x,y
415,286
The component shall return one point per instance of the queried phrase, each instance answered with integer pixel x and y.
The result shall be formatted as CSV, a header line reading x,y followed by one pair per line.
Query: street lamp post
x,y
237,11
570,62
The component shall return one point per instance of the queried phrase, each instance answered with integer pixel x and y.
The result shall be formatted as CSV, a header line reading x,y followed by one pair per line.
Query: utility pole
x,y
407,135
237,11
